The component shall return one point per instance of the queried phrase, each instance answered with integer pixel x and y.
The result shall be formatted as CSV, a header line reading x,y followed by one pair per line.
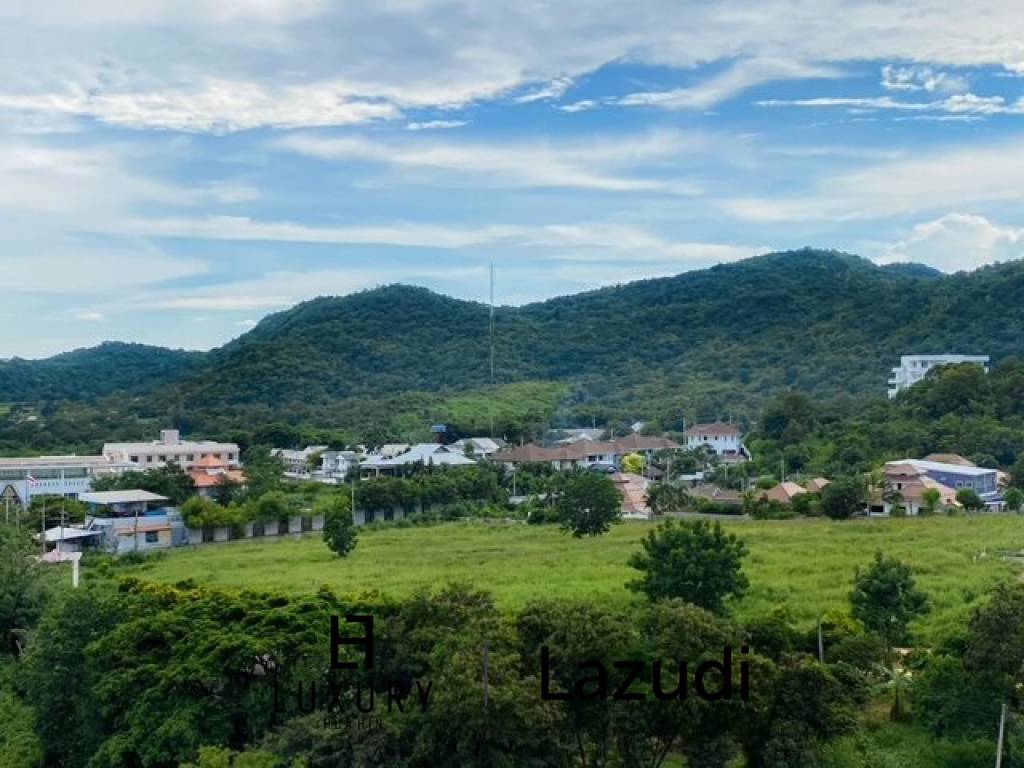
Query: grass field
x,y
805,565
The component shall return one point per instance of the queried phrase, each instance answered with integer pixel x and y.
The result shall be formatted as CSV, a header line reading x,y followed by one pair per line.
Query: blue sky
x,y
172,172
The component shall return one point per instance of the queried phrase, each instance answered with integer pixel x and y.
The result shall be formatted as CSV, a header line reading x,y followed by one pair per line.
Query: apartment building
x,y
171,449
913,368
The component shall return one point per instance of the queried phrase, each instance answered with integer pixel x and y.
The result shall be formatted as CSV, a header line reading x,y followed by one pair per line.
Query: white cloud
x,y
206,65
946,178
74,268
957,241
579,106
921,78
742,75
429,125
957,104
591,164
550,92
90,316
587,241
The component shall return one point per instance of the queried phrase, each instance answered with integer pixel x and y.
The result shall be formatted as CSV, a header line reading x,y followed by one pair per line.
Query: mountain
x,y
703,344
85,374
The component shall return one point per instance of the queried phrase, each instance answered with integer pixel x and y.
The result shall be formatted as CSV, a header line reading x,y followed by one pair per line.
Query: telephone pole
x,y
1002,733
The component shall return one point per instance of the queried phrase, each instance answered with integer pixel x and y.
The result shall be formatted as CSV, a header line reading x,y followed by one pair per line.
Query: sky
x,y
173,170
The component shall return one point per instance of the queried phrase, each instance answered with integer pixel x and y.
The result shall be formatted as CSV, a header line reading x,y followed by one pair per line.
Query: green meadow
x,y
804,565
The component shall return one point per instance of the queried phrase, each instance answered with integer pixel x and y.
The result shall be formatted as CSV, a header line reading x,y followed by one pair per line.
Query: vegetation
x,y
384,364
807,566
885,599
695,562
587,503
339,529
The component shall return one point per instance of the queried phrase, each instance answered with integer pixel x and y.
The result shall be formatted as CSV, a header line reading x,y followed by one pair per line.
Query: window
x,y
152,537
307,524
134,459
190,457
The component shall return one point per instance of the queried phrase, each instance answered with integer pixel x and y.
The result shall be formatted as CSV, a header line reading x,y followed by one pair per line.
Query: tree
x,y
885,599
694,561
21,588
339,529
843,498
588,503
634,463
1014,499
665,498
969,499
931,498
169,480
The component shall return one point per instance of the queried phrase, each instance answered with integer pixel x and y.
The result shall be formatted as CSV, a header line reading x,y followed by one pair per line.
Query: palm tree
x,y
898,680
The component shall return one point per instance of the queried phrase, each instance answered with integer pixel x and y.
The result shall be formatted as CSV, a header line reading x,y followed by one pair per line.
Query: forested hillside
x,y
703,344
84,374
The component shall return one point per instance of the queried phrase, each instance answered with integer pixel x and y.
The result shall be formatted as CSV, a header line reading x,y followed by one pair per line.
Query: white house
x,y
913,368
337,464
724,439
297,462
428,454
71,476
171,449
477,447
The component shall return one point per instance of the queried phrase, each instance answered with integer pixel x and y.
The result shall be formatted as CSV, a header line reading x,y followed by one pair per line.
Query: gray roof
x,y
68,534
58,462
119,497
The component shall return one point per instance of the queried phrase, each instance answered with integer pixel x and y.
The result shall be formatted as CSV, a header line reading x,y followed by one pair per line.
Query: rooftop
x,y
120,497
935,466
57,462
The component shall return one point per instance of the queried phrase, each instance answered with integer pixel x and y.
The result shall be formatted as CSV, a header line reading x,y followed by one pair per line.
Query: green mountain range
x,y
703,344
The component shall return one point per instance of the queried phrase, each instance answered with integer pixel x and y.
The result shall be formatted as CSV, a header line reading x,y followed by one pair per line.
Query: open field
x,y
805,565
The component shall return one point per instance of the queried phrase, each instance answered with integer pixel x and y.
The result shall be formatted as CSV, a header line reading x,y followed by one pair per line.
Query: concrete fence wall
x,y
295,526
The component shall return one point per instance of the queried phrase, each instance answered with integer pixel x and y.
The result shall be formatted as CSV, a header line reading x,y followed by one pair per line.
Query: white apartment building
x,y
913,368
171,449
70,476
724,439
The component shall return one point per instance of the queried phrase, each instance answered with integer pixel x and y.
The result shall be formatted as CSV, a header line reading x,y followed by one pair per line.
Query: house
x,y
784,492
478,447
337,464
171,449
296,463
633,489
985,482
949,458
717,494
122,503
68,476
576,434
390,450
585,453
913,368
817,484
426,454
724,439
210,473
132,521
909,483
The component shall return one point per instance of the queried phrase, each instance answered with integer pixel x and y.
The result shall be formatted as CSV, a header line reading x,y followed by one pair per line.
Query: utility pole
x,y
821,644
1002,732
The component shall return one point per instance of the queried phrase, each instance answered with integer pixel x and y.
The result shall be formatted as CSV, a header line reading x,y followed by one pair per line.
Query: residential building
x,y
478,447
982,480
336,465
567,436
130,503
724,439
784,492
210,473
585,453
297,463
171,449
906,485
70,476
913,368
816,484
633,489
427,454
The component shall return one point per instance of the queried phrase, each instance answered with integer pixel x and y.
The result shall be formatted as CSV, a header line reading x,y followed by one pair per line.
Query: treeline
x,y
957,409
